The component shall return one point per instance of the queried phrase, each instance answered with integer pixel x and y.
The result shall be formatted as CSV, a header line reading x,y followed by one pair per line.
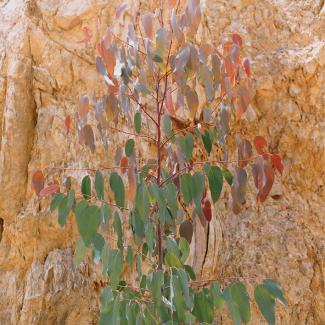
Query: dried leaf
x,y
88,136
245,153
216,63
176,30
243,100
120,9
238,189
84,107
263,174
147,23
169,103
260,143
192,100
247,67
132,178
182,58
172,3
49,190
67,123
38,181
110,60
277,163
186,230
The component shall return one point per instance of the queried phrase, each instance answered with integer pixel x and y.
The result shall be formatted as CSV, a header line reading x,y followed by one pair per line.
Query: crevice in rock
x,y
206,247
1,228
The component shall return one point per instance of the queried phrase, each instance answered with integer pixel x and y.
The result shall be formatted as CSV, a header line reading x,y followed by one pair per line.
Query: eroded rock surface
x,y
43,70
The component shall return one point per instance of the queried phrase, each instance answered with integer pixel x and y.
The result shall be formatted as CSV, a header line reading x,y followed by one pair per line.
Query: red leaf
x,y
49,190
124,163
110,60
206,209
236,38
229,67
247,67
260,143
277,163
38,182
67,123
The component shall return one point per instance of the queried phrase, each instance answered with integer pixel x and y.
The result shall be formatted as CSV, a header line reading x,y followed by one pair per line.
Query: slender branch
x,y
126,43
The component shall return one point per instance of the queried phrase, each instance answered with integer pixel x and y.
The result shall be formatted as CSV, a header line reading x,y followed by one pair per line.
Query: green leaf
x,y
129,256
88,219
115,267
156,285
98,241
178,298
186,184
237,301
182,275
64,210
217,296
172,260
190,272
167,126
187,144
99,185
275,290
117,186
86,187
80,251
55,203
137,122
142,201
129,147
184,248
203,307
118,229
228,176
206,139
266,303
140,88
197,189
215,182
171,197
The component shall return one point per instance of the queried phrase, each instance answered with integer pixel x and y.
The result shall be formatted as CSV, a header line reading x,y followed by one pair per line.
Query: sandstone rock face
x,y
44,68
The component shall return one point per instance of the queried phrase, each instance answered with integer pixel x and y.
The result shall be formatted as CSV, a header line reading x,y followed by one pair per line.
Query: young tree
x,y
182,96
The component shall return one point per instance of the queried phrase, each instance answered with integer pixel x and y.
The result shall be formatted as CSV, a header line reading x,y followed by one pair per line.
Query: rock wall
x,y
43,70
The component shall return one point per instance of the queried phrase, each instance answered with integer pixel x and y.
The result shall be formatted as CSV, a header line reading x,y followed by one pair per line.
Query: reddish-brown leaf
x,y
88,137
234,54
236,38
110,60
206,209
277,163
38,181
247,67
124,163
229,67
263,174
84,106
50,189
245,153
132,178
243,100
147,23
260,143
67,123
192,100
169,103
186,230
